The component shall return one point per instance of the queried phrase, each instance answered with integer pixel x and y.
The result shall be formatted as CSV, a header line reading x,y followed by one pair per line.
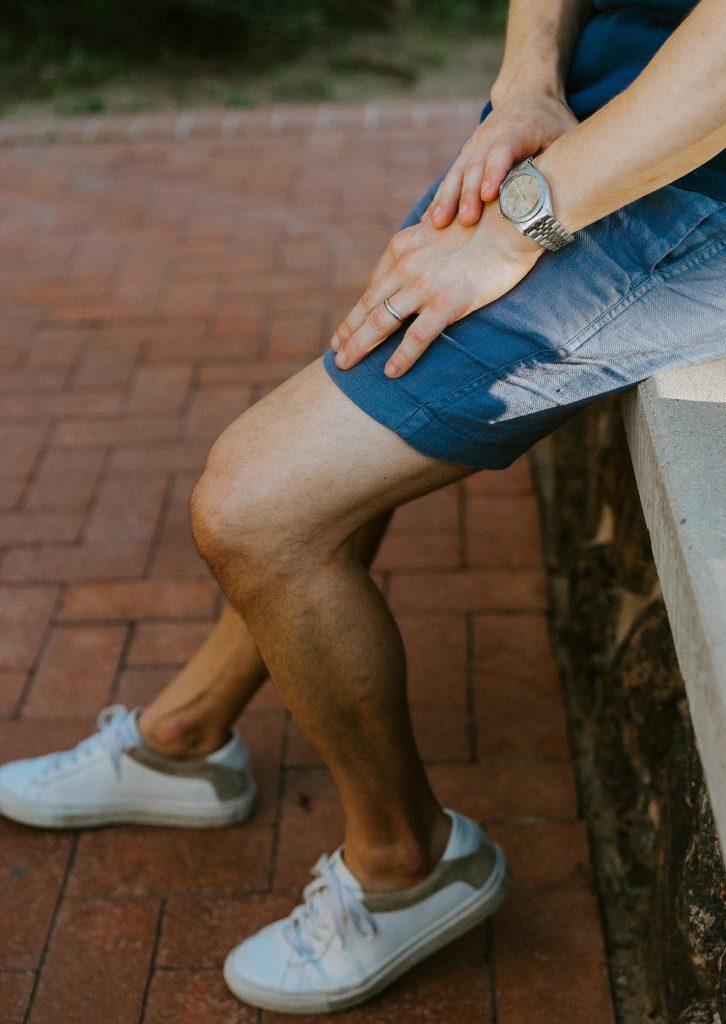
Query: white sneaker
x,y
342,945
112,777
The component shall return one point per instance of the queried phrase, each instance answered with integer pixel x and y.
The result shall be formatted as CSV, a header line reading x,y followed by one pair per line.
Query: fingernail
x,y
341,359
390,370
335,343
485,186
438,212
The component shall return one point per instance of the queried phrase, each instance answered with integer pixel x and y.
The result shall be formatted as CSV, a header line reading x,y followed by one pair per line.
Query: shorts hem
x,y
362,384
417,428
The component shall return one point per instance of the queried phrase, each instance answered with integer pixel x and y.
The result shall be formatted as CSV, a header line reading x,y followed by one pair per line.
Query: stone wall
x,y
660,873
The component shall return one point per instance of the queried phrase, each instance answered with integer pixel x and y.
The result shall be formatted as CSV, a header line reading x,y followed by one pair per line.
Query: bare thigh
x,y
305,457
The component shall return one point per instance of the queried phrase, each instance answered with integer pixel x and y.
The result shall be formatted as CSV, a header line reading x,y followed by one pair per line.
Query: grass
x,y
420,62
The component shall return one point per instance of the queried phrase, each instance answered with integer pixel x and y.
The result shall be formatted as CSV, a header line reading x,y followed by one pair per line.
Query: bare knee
x,y
224,520
245,523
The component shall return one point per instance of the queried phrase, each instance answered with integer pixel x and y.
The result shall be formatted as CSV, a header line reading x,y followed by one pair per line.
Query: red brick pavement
x,y
158,276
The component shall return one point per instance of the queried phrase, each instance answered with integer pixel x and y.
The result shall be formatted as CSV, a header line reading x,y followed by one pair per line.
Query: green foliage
x,y
238,99
464,14
46,46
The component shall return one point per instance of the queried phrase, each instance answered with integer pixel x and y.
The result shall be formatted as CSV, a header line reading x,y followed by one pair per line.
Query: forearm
x,y
669,121
541,36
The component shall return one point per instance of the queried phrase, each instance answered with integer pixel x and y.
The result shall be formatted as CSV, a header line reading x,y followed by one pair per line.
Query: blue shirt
x,y
613,48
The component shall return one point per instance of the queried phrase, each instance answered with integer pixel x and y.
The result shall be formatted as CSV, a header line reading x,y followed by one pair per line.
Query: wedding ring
x,y
392,311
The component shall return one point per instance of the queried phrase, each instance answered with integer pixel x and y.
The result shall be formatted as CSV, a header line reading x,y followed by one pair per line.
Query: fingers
x,y
377,325
470,204
446,201
488,165
386,279
425,329
500,142
500,160
426,215
460,191
380,324
369,308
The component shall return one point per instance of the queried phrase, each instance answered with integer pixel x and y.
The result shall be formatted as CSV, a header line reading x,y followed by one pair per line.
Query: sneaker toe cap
x,y
16,777
264,963
258,956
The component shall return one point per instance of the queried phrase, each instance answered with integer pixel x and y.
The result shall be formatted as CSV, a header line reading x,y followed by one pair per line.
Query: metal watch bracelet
x,y
549,232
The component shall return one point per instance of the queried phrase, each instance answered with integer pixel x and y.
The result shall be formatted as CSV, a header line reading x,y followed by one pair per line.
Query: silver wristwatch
x,y
524,198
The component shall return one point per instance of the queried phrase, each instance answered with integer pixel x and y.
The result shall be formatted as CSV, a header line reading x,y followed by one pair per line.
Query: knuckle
x,y
495,153
398,243
516,122
415,339
367,301
377,318
499,154
376,275
407,261
451,183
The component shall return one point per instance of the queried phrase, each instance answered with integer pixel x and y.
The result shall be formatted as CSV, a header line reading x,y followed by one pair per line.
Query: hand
x,y
520,125
439,275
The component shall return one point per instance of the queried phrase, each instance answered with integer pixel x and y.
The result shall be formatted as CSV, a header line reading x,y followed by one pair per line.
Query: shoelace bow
x,y
327,901
113,735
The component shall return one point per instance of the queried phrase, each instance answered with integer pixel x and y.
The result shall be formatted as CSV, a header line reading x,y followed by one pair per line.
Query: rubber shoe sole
x,y
231,812
471,912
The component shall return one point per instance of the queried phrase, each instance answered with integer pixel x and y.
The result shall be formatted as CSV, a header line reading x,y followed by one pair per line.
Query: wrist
x,y
534,67
527,83
514,244
568,203
526,200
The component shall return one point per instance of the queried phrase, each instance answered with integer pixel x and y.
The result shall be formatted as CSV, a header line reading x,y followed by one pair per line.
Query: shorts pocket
x,y
669,225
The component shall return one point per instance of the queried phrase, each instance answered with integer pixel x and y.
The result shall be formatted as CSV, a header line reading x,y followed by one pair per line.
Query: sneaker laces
x,y
327,901
116,733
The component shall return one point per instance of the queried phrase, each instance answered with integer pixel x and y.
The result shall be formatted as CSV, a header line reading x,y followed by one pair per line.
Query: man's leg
x,y
193,715
285,488
178,762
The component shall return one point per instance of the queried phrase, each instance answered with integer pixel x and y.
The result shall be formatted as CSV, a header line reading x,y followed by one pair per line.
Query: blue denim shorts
x,y
640,291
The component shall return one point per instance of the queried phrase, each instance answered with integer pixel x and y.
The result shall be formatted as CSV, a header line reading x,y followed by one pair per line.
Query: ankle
x,y
176,734
400,864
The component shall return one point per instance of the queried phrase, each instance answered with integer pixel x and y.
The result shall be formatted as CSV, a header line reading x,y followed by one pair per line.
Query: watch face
x,y
520,197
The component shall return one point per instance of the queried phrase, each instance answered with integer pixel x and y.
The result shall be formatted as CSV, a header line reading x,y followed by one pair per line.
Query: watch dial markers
x,y
521,196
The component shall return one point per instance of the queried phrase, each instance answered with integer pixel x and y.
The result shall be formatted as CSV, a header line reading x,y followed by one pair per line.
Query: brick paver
x,y
159,275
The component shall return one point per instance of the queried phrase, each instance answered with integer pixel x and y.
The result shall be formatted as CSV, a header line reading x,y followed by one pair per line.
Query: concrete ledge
x,y
676,427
